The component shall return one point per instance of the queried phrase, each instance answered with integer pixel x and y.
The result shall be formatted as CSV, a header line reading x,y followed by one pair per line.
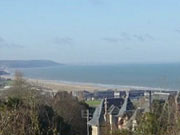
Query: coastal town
x,y
110,109
89,67
120,109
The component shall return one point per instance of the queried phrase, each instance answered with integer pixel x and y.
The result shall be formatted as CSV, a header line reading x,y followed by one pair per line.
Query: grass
x,y
9,82
93,103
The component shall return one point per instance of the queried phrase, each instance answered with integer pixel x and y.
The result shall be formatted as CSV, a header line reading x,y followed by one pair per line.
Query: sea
x,y
155,76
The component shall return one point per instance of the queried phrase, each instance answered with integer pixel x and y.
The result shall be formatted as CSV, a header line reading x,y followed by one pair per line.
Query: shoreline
x,y
59,85
56,85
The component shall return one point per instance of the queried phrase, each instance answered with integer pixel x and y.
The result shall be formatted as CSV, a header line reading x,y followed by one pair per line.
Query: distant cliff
x,y
27,63
3,73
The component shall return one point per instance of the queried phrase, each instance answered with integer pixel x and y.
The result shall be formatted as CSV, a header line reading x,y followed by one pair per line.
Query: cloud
x,y
111,40
5,43
143,37
123,37
139,37
178,31
63,41
1,39
148,36
129,37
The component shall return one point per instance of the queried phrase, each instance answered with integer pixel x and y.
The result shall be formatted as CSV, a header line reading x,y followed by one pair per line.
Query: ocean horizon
x,y
137,76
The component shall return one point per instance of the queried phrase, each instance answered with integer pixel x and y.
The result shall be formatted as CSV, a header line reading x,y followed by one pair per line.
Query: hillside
x,y
27,63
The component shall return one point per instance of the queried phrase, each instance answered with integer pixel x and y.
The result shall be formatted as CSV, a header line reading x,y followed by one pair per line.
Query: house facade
x,y
112,113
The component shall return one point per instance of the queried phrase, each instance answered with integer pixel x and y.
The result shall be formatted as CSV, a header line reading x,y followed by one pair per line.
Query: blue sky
x,y
91,31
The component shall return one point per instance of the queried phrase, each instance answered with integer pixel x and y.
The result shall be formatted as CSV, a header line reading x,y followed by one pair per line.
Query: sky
x,y
91,31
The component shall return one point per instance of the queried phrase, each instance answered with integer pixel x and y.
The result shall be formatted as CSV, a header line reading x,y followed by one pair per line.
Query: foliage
x,y
148,125
70,109
163,120
122,132
26,111
50,123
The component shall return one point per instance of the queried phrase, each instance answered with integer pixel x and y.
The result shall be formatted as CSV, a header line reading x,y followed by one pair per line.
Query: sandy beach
x,y
60,86
65,86
73,86
78,86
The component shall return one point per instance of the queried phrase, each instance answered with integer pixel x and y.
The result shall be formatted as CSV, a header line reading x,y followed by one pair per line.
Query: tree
x,y
148,125
20,87
70,109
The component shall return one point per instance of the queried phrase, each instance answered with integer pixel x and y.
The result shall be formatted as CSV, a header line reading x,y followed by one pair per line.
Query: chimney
x,y
105,109
150,101
105,106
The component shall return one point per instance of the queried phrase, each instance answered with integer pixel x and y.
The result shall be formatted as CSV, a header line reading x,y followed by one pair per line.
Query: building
x,y
119,94
114,113
104,94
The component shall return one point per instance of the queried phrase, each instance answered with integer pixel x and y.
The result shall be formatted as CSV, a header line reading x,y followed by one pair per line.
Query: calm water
x,y
156,76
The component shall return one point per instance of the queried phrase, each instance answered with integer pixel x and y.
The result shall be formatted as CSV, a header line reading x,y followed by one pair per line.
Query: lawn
x,y
93,103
